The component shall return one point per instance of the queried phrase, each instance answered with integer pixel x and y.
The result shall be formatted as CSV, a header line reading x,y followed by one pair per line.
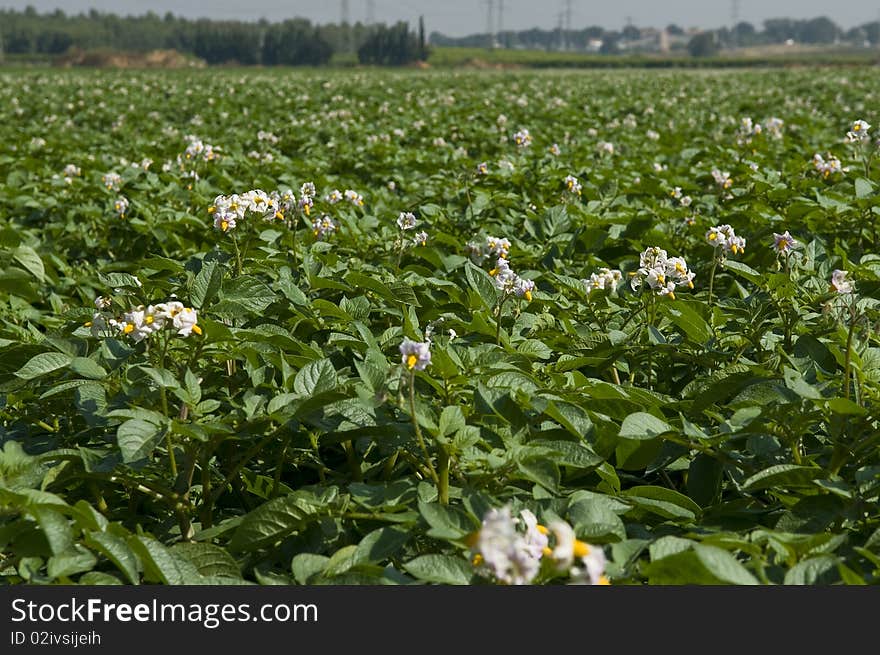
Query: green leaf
x,y
663,502
451,421
704,479
446,522
816,570
161,565
244,295
440,569
684,316
307,566
642,425
87,368
42,364
208,559
701,565
744,271
28,257
315,377
137,439
782,475
206,284
76,560
864,188
55,527
274,520
117,551
481,282
381,544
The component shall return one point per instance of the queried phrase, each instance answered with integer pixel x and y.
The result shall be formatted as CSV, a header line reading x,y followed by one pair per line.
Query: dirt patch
x,y
114,59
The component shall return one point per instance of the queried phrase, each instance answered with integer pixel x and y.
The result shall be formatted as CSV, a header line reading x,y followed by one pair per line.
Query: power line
x,y
500,17
490,22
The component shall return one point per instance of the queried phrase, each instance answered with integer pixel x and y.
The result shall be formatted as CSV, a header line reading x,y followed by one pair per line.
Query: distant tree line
x,y
291,42
815,31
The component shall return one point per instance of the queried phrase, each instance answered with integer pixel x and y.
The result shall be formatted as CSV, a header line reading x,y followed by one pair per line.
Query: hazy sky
x,y
459,17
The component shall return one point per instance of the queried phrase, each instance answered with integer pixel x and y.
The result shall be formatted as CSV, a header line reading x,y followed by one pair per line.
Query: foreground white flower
x,y
839,283
406,221
784,243
858,132
415,355
504,552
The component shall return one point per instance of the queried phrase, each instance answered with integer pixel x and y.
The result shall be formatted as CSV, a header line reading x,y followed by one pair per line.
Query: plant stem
x,y
418,429
500,306
649,322
276,479
712,284
237,256
847,361
443,473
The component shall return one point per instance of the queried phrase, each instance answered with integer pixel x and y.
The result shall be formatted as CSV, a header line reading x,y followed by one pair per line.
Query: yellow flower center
x,y
149,320
224,225
580,548
528,295
197,329
128,329
411,361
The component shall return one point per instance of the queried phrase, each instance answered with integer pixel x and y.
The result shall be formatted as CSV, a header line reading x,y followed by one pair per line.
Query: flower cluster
x,y
415,355
748,129
307,194
510,549
142,322
333,197
71,171
492,247
112,181
482,168
323,227
420,238
354,198
121,206
676,194
509,282
827,167
662,273
722,178
858,132
228,210
606,278
773,127
572,184
522,138
724,237
197,149
605,147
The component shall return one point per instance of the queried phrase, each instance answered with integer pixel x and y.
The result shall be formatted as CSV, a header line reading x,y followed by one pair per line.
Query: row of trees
x,y
820,30
291,42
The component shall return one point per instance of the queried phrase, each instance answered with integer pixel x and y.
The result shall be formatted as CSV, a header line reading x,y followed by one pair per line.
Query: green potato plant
x,y
369,327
